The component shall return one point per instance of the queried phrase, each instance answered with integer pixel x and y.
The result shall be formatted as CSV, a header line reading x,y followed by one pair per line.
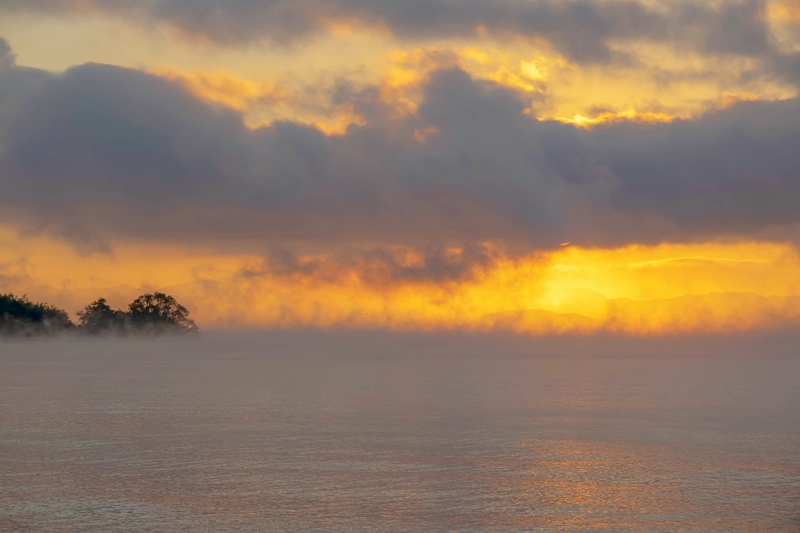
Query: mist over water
x,y
400,432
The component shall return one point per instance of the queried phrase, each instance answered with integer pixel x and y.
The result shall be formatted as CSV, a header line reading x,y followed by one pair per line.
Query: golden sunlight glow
x,y
619,116
261,102
728,99
784,11
556,89
551,87
583,96
661,82
224,88
638,290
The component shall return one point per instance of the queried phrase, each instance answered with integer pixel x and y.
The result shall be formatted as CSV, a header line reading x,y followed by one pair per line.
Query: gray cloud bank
x,y
102,152
583,30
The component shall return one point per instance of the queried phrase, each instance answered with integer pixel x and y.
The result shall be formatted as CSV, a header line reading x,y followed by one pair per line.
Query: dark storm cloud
x,y
6,54
737,167
100,130
381,265
786,67
17,85
488,151
100,135
730,170
738,28
582,30
101,152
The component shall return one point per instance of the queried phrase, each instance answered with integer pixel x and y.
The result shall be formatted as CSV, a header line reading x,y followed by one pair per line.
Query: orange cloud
x,y
556,89
786,11
408,70
632,115
559,90
338,122
639,291
728,99
636,290
224,88
261,102
629,115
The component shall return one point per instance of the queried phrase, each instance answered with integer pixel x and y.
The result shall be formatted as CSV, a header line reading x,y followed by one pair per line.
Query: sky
x,y
537,166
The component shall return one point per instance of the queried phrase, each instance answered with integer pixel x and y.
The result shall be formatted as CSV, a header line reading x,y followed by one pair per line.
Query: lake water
x,y
379,432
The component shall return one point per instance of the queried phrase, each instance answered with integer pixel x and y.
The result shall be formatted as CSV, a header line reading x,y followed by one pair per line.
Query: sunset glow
x,y
639,290
627,169
399,265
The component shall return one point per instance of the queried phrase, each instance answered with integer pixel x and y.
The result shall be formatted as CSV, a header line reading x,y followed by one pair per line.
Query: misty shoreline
x,y
148,315
321,344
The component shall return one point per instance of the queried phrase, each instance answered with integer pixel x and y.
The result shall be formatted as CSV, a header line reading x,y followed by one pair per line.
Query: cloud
x,y
580,29
701,287
739,28
484,289
7,58
99,131
100,153
378,266
14,274
99,144
729,170
584,31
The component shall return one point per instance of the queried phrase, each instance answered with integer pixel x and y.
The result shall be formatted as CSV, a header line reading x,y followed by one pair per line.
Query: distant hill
x,y
722,312
726,312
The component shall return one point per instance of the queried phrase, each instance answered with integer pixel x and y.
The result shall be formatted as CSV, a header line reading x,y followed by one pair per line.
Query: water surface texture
x,y
397,433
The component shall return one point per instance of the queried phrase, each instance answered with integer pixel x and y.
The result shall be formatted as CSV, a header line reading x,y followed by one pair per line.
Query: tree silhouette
x,y
149,313
20,316
160,312
99,317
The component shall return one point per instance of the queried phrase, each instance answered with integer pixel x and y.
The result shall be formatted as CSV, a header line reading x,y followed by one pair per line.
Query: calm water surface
x,y
283,433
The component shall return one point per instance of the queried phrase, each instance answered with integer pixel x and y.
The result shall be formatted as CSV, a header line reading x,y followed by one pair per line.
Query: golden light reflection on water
x,y
246,431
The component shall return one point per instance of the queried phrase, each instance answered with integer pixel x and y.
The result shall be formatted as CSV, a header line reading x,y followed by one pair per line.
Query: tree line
x,y
152,313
